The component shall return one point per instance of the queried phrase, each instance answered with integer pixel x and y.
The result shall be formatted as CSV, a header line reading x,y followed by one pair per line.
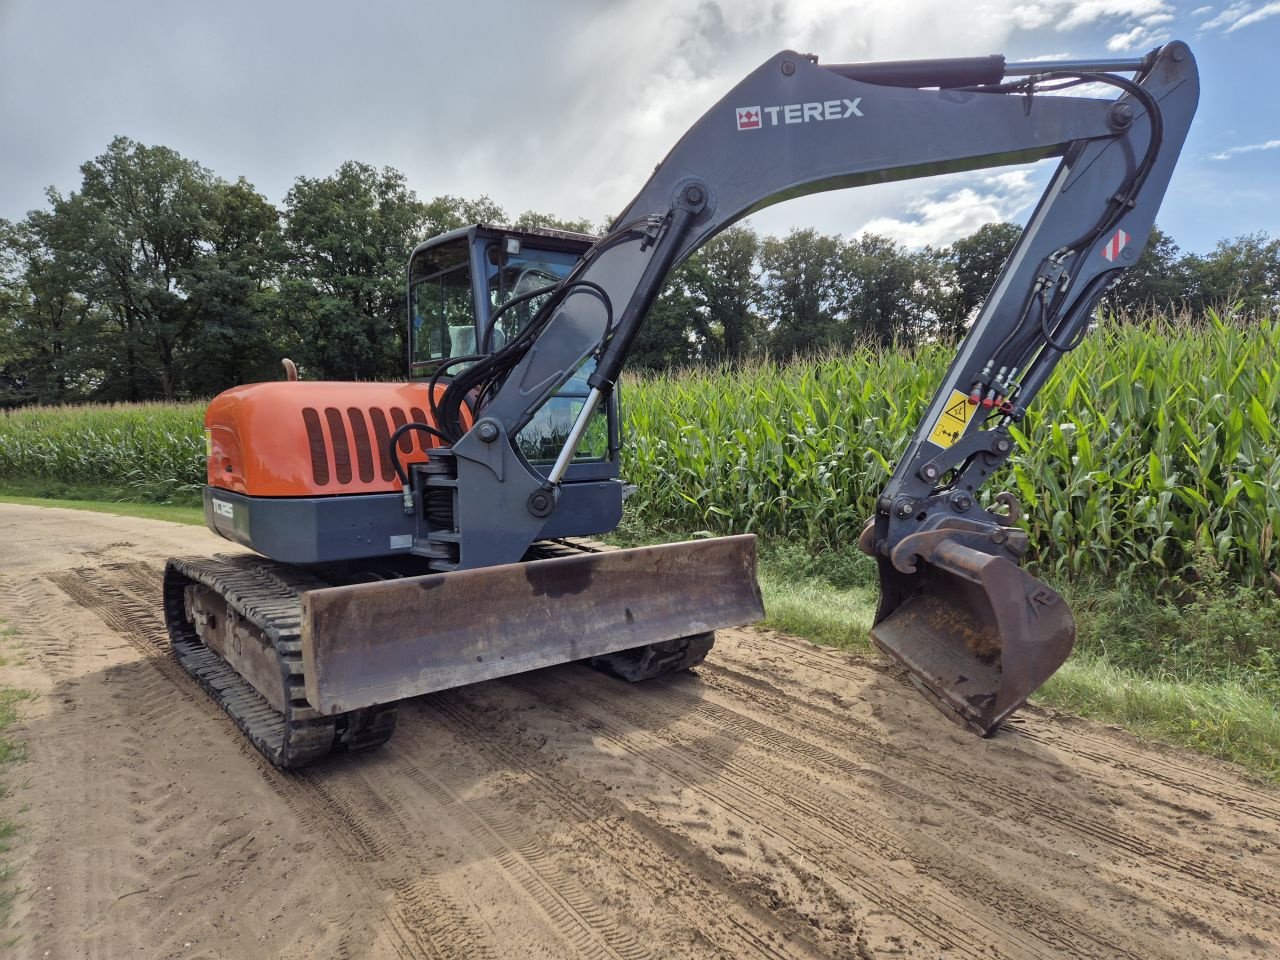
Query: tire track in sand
x,y
138,619
1210,875
813,831
712,903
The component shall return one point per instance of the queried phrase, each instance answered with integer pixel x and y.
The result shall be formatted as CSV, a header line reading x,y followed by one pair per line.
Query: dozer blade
x,y
373,643
977,632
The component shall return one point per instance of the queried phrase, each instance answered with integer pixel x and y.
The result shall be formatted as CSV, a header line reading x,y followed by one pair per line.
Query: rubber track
x,y
268,595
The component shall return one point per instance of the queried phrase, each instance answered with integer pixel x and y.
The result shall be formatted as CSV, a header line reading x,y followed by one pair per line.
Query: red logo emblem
x,y
748,118
1115,245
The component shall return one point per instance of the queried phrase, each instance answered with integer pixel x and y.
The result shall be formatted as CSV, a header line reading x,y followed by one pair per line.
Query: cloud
x,y
1141,37
1070,14
1200,11
1091,11
1250,148
937,219
1262,13
1228,16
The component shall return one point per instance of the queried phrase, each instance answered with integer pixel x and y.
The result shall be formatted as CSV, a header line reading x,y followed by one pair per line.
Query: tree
x,y
1245,270
1159,281
132,236
531,220
724,289
349,237
104,310
969,269
233,290
799,291
885,291
445,212
665,339
48,327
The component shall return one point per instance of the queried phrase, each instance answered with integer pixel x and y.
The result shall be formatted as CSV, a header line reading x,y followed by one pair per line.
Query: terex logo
x,y
752,118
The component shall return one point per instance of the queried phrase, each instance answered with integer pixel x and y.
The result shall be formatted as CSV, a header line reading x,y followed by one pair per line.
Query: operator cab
x,y
457,281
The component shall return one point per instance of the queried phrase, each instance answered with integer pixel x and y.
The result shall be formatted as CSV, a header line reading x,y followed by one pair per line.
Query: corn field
x,y
143,445
1152,445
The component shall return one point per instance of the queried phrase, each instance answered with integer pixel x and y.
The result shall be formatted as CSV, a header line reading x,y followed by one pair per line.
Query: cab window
x,y
543,436
513,275
443,313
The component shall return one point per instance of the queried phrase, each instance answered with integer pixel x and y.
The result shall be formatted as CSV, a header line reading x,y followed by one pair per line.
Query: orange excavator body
x,y
315,438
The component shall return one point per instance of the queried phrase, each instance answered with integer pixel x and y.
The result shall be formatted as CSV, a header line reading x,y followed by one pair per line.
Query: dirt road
x,y
785,801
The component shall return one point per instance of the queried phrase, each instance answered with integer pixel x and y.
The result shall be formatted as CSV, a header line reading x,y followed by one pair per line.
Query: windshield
x,y
514,275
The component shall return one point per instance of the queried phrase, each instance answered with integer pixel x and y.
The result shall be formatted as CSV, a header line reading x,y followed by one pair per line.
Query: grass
x,y
1193,688
100,502
1233,720
1190,687
1198,670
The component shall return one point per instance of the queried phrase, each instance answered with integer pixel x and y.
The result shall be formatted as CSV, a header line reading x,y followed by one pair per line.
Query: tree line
x,y
158,279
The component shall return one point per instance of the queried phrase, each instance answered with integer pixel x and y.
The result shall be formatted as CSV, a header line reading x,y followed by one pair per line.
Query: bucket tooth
x,y
976,632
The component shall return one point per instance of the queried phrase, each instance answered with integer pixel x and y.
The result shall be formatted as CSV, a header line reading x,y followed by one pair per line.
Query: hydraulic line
x,y
1022,342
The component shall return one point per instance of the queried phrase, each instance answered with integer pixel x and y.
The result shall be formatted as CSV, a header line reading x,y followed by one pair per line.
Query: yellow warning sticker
x,y
955,417
208,443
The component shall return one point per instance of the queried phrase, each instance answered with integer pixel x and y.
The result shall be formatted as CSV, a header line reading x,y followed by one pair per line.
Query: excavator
x,y
413,537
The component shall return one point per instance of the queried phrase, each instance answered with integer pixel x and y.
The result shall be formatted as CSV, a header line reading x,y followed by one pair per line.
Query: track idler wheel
x,y
976,632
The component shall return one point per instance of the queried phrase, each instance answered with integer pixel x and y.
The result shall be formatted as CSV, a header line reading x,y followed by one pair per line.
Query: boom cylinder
x,y
972,71
609,366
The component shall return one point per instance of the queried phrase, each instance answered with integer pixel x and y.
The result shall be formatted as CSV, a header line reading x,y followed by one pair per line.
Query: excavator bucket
x,y
978,634
370,643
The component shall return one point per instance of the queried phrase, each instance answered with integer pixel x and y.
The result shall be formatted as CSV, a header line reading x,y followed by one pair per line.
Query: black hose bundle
x,y
481,381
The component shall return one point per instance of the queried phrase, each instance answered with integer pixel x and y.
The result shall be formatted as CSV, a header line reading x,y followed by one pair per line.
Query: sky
x,y
564,106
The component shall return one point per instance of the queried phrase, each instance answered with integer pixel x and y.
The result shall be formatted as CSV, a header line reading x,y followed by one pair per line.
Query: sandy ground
x,y
785,801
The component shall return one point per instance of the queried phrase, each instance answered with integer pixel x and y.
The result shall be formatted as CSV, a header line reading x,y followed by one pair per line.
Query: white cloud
x,y
1141,37
1262,13
1091,11
938,219
1249,148
1228,16
1200,11
1070,14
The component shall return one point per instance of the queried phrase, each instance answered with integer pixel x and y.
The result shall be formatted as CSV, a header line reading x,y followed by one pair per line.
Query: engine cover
x,y
314,438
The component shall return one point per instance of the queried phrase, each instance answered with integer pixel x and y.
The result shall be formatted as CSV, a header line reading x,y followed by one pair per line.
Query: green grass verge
x,y
174,513
1232,718
1198,672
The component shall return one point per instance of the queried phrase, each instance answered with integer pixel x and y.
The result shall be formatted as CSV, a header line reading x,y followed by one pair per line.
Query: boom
x,y
794,127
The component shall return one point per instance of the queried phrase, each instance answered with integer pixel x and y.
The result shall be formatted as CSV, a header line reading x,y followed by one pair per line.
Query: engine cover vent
x,y
342,440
